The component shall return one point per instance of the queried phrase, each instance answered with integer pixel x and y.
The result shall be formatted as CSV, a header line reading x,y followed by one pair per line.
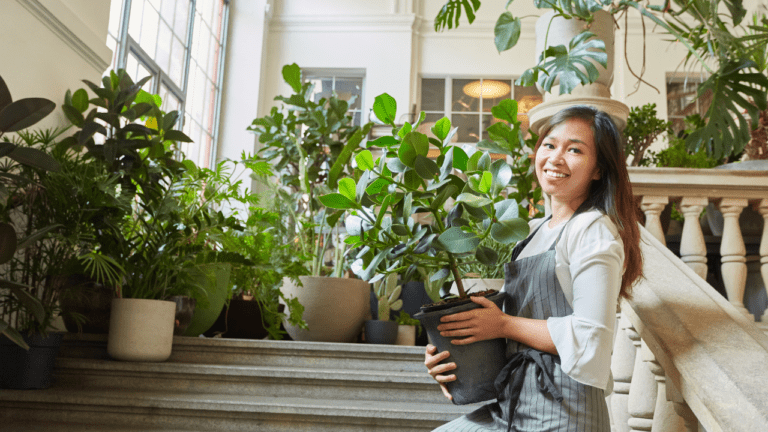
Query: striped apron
x,y
532,385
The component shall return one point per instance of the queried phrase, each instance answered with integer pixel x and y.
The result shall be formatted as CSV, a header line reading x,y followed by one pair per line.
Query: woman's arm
x,y
489,322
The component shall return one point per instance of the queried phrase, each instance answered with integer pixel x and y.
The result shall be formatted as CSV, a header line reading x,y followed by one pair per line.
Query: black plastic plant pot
x,y
477,364
381,332
31,369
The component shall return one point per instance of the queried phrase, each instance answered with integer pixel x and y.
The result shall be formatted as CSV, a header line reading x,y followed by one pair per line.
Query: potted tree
x,y
308,144
460,197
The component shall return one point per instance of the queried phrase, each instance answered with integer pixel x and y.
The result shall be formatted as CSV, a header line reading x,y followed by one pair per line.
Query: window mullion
x,y
122,34
220,83
188,57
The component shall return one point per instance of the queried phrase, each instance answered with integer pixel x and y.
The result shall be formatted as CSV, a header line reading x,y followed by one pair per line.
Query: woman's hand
x,y
487,322
437,370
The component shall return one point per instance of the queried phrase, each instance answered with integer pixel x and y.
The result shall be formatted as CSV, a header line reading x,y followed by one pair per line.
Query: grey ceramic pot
x,y
381,332
477,364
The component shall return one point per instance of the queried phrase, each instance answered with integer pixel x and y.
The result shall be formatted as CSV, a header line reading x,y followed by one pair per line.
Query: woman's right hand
x,y
437,370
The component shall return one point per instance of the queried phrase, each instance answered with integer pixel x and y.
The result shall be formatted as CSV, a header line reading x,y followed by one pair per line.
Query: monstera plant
x,y
719,37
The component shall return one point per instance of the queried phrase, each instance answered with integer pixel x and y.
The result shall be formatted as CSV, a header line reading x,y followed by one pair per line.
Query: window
x,y
180,43
683,100
468,102
346,84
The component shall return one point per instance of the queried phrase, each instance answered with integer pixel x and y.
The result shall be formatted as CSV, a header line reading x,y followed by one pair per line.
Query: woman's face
x,y
566,162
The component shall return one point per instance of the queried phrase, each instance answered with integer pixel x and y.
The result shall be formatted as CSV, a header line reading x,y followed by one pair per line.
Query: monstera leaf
x,y
566,63
450,13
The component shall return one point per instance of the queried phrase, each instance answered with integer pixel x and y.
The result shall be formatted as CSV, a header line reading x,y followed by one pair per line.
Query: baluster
x,y
652,206
762,207
733,253
693,250
682,409
642,390
622,363
665,419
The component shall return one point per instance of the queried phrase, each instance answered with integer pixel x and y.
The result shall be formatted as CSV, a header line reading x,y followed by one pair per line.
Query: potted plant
x,y
28,306
462,196
734,57
381,330
152,251
407,329
308,143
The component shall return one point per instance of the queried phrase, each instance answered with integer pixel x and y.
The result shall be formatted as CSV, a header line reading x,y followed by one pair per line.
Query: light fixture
x,y
488,89
527,102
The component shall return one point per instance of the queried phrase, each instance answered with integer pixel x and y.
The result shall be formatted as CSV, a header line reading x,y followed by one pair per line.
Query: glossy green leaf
x,y
403,131
384,142
454,240
441,128
346,154
443,196
473,162
505,110
73,115
505,210
80,100
347,188
337,201
564,63
473,200
486,181
24,113
425,167
375,187
35,158
364,160
486,256
507,31
385,108
460,159
502,175
292,76
5,95
508,231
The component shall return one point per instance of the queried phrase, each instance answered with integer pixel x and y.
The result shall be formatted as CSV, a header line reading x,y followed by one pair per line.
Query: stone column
x,y
691,423
733,253
665,419
642,391
762,207
652,206
693,249
622,363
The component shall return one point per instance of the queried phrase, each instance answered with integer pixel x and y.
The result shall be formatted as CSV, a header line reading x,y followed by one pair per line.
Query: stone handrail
x,y
685,356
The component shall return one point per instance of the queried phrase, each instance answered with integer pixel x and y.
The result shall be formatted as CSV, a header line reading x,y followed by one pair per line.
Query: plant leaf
x,y
506,31
505,110
24,113
385,108
502,175
37,235
425,167
457,241
486,256
337,201
564,63
80,100
473,200
35,158
13,335
292,76
510,230
28,300
5,95
347,187
441,128
364,160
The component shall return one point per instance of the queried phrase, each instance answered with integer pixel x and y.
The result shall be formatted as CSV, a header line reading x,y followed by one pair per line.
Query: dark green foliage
x,y
643,127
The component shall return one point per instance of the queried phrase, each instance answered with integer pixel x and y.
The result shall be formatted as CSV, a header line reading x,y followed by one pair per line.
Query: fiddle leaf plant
x,y
408,213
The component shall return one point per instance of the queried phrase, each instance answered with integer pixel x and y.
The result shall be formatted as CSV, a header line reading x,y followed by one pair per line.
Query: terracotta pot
x,y
141,330
334,308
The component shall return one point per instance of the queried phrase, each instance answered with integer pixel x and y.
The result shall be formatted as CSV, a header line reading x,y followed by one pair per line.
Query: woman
x,y
563,286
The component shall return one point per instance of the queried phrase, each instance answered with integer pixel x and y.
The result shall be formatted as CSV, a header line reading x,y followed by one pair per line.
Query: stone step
x,y
267,381
314,355
122,410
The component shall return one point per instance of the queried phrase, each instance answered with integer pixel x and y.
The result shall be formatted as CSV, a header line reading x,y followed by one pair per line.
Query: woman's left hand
x,y
476,325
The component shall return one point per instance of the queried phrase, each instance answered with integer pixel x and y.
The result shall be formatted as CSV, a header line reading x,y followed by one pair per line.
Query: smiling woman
x,y
562,284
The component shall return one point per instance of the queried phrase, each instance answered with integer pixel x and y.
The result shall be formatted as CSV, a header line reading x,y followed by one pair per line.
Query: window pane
x,y
114,17
134,25
357,117
178,53
167,11
170,101
469,125
164,44
323,88
466,95
348,87
149,30
432,94
181,19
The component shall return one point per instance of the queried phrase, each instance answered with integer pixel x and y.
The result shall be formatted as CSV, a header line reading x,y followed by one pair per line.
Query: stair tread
x,y
200,403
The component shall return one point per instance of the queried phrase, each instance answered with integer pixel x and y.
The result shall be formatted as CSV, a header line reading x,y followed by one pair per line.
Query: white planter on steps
x,y
141,330
406,335
335,309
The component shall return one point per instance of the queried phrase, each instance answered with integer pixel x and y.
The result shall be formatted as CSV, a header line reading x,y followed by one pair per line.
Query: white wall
x,y
49,46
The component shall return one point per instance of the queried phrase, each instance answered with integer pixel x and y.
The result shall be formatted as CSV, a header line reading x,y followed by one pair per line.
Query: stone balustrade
x,y
686,358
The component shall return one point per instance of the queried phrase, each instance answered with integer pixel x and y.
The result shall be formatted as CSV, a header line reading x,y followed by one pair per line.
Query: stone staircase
x,y
212,384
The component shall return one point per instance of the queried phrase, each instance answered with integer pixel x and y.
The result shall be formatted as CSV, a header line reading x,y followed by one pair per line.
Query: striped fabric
x,y
534,292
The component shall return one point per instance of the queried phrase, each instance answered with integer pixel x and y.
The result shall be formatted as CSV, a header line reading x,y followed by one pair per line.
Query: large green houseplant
x,y
307,144
719,37
462,198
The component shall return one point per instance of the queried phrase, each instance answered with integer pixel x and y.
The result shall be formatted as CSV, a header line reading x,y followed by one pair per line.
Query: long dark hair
x,y
612,193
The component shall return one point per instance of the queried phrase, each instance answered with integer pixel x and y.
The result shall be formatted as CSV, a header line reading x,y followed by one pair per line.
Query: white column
x,y
665,419
642,391
733,253
622,363
652,206
693,249
762,207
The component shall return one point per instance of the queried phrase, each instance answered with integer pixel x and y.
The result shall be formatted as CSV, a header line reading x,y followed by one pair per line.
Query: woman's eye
x,y
548,145
574,150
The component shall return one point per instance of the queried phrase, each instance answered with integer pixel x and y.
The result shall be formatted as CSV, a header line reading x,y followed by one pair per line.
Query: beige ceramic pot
x,y
406,335
141,330
335,309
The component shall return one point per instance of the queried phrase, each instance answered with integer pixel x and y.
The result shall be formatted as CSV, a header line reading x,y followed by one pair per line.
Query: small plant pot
x,y
406,335
185,309
477,364
381,332
141,330
33,369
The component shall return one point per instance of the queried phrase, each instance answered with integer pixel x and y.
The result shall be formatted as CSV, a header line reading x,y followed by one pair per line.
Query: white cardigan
x,y
589,266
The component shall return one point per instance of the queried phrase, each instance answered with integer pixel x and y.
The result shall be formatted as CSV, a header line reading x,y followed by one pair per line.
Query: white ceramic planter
x,y
406,335
141,330
335,309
